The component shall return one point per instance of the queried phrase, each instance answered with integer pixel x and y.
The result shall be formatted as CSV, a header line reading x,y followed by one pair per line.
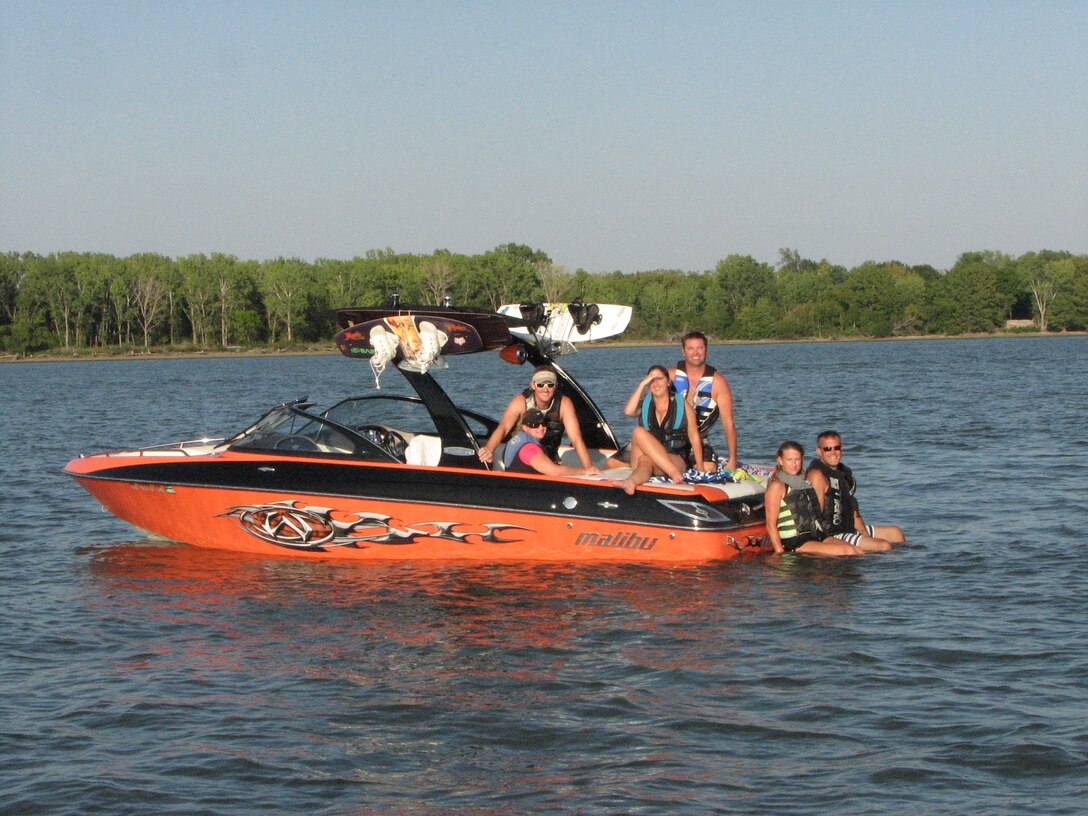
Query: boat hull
x,y
317,508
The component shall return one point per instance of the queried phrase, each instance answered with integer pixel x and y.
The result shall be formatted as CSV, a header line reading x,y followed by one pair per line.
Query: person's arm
x,y
819,483
509,419
574,431
542,463
723,396
634,402
695,438
772,501
859,522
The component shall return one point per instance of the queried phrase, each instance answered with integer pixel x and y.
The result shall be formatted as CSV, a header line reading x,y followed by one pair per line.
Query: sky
x,y
626,136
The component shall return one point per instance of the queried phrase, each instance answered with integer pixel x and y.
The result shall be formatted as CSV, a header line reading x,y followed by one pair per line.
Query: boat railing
x,y
192,447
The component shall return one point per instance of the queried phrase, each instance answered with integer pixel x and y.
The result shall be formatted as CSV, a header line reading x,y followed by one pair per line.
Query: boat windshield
x,y
292,428
409,414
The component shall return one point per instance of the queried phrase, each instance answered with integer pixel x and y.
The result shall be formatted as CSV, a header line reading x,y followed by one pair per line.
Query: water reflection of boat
x,y
396,477
251,605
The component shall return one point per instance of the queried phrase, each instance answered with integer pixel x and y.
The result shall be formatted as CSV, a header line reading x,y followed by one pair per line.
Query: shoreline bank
x,y
315,350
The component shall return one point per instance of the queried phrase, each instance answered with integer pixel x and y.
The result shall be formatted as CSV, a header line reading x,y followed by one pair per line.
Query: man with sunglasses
x,y
558,410
834,484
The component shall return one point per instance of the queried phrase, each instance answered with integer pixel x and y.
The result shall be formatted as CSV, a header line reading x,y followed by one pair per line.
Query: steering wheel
x,y
385,438
296,442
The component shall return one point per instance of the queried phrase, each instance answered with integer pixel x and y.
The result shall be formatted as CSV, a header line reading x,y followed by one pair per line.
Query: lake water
x,y
948,676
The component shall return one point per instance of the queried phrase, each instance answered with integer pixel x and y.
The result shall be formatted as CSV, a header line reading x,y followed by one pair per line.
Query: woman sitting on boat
x,y
793,510
666,441
525,454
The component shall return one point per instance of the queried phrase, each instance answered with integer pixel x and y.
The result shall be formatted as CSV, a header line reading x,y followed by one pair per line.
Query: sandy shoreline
x,y
90,356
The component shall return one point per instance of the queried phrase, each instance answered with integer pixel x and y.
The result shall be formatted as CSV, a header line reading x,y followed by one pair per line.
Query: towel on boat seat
x,y
423,450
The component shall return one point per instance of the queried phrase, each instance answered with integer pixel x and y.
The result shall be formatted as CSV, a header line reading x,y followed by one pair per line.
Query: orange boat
x,y
398,477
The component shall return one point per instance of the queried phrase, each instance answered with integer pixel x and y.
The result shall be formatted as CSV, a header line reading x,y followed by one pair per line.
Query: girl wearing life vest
x,y
793,511
667,440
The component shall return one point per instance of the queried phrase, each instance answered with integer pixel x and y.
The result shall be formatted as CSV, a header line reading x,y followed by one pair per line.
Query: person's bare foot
x,y
627,485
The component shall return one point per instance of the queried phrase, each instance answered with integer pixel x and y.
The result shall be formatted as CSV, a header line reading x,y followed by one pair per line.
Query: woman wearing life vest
x,y
525,454
666,441
793,511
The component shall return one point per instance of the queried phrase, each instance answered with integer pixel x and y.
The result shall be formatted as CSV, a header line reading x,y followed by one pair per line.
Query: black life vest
x,y
839,502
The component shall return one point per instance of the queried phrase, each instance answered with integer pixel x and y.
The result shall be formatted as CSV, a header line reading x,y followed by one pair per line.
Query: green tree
x,y
370,279
882,299
438,277
12,273
615,287
1044,277
966,300
49,289
1007,279
151,281
507,274
198,291
31,317
121,298
743,281
757,321
791,260
1069,310
341,281
555,281
234,289
287,285
668,302
245,325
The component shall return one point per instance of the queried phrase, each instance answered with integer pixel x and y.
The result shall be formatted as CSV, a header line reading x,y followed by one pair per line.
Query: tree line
x,y
81,300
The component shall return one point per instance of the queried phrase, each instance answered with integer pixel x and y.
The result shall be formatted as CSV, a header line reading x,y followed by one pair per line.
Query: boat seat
x,y
737,490
567,456
423,450
597,457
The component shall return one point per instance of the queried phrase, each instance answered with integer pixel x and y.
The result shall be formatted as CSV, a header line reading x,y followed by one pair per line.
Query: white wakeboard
x,y
560,326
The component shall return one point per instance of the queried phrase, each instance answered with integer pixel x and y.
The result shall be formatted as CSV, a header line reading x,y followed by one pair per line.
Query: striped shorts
x,y
854,539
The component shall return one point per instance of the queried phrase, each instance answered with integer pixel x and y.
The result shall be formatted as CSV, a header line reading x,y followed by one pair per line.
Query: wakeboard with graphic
x,y
409,340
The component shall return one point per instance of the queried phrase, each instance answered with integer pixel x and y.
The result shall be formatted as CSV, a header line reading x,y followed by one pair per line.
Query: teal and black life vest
x,y
672,431
706,409
839,502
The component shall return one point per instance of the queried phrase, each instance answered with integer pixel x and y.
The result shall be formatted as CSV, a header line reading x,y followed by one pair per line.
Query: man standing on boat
x,y
542,394
834,484
705,389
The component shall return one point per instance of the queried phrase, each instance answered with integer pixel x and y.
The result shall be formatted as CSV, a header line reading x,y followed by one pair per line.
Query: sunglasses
x,y
830,448
532,424
546,384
